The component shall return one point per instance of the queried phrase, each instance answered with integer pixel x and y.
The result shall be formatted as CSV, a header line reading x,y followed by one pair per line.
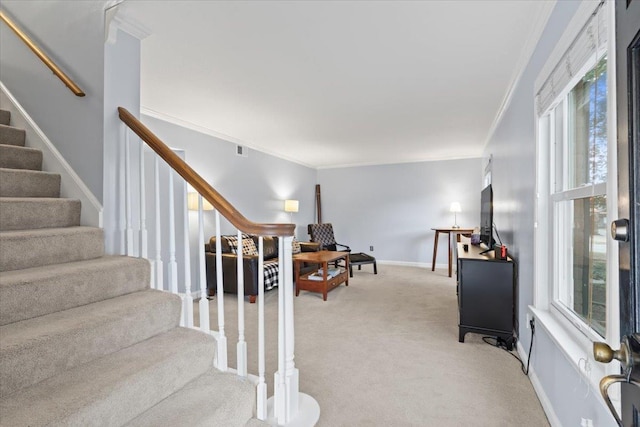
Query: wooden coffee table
x,y
324,283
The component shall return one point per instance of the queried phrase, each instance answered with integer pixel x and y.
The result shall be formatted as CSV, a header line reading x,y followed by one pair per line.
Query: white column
x,y
127,186
291,380
157,263
122,194
261,392
187,299
242,345
204,302
172,266
222,339
280,389
288,405
143,206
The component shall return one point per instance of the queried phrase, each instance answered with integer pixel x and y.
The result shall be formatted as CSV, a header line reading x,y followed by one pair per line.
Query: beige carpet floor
x,y
384,351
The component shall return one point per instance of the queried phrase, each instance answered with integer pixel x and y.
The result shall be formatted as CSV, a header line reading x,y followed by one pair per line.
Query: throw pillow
x,y
248,245
295,246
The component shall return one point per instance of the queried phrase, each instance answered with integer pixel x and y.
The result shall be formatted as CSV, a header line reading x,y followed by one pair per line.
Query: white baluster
x,y
292,375
157,267
187,299
204,302
261,392
222,339
279,395
242,345
143,206
127,173
172,266
122,216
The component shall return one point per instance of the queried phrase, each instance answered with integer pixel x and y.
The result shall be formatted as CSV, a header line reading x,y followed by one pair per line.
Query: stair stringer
x,y
71,186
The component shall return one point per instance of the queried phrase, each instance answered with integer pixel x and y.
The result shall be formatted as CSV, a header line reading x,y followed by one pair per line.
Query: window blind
x,y
591,40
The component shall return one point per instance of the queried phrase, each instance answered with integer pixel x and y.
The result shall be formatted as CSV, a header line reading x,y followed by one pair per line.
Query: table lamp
x,y
291,206
455,208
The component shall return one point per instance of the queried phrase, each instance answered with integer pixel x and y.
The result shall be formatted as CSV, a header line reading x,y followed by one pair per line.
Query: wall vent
x,y
242,151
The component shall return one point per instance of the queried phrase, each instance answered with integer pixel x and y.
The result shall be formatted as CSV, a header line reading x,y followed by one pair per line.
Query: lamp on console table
x,y
455,208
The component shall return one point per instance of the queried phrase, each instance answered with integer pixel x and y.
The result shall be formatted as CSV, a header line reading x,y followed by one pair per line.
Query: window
x,y
578,198
573,166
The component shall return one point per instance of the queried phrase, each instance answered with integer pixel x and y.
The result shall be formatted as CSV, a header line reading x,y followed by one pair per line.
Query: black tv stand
x,y
486,295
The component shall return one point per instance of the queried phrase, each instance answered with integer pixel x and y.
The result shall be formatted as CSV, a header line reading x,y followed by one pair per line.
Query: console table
x,y
325,283
449,231
486,294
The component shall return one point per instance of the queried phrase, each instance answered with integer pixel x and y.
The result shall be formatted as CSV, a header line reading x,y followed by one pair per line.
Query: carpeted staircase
x,y
83,340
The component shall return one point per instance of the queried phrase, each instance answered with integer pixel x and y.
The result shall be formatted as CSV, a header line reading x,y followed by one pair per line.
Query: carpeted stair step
x,y
116,388
26,183
14,157
39,348
12,136
5,117
215,399
43,290
34,248
24,213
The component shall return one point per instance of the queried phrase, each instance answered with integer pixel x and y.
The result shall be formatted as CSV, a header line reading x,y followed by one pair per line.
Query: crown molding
x,y
115,18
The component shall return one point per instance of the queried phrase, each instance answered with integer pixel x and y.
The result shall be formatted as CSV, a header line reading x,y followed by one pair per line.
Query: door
x,y
626,229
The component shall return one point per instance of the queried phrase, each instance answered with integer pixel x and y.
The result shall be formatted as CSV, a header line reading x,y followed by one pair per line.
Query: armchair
x,y
323,235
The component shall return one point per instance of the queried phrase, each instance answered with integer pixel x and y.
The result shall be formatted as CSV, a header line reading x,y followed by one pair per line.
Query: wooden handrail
x,y
199,184
43,56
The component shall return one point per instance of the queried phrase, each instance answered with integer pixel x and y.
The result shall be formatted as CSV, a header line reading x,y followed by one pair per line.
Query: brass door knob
x,y
605,354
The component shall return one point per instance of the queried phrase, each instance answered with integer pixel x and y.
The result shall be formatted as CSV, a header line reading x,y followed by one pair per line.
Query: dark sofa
x,y
250,265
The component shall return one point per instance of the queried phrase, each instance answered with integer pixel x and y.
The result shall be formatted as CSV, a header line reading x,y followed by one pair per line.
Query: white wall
x,y
72,34
393,207
513,175
122,89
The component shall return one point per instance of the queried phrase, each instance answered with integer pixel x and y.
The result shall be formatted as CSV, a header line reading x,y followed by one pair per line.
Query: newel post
x,y
288,405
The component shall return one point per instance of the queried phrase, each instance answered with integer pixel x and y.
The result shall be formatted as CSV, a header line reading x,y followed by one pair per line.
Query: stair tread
x,y
228,400
38,348
29,172
28,183
17,157
28,213
20,249
69,285
130,380
5,117
11,135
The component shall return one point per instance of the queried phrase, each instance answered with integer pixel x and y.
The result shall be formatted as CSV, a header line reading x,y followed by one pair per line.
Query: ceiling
x,y
337,83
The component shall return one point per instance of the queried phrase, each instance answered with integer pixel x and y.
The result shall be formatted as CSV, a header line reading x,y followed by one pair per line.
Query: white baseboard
x,y
537,387
71,186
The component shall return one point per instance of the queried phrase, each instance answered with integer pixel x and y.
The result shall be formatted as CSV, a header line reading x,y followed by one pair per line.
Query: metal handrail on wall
x,y
43,56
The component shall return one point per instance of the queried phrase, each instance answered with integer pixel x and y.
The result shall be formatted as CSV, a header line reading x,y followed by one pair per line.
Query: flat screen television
x,y
486,217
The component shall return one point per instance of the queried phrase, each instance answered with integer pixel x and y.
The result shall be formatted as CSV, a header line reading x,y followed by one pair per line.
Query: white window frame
x,y
566,329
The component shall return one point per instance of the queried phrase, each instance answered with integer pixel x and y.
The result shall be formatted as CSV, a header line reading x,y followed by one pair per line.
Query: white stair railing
x,y
287,405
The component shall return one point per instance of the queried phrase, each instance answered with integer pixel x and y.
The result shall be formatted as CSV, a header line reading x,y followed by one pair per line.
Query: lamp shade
x,y
291,206
455,207
192,202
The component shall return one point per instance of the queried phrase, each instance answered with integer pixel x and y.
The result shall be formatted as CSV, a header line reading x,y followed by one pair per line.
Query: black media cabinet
x,y
486,294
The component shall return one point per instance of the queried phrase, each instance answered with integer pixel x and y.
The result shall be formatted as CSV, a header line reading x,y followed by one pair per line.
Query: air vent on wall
x,y
242,151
